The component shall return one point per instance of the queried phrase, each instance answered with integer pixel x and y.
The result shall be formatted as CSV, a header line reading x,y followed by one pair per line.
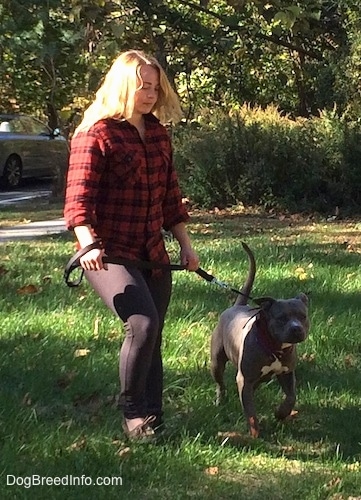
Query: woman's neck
x,y
137,121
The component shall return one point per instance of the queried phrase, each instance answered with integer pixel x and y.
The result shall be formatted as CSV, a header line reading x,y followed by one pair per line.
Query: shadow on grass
x,y
59,417
44,380
320,430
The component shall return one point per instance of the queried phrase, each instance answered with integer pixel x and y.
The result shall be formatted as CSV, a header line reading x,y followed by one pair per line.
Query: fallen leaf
x,y
77,445
96,327
123,452
28,290
211,471
300,273
234,438
336,481
81,353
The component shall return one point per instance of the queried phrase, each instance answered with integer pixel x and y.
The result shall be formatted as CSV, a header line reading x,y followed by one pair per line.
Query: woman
x,y
121,191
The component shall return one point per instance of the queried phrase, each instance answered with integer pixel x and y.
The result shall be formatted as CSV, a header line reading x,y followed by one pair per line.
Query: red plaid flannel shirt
x,y
125,189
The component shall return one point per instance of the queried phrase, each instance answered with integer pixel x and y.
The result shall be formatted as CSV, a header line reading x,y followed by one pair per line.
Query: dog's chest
x,y
275,368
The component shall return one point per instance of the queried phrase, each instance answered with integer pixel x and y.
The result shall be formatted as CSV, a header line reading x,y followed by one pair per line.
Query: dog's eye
x,y
302,316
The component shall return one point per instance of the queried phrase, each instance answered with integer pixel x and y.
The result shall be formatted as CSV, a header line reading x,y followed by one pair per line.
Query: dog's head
x,y
287,319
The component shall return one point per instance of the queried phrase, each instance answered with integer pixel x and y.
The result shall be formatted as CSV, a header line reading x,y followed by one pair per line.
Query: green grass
x,y
30,211
58,412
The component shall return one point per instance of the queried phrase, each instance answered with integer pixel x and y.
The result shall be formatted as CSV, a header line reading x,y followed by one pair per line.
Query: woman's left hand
x,y
189,258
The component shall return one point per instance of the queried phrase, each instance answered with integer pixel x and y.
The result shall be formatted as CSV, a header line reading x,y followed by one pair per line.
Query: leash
x,y
74,263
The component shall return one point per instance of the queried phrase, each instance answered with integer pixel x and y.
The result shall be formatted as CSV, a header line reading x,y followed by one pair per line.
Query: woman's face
x,y
146,96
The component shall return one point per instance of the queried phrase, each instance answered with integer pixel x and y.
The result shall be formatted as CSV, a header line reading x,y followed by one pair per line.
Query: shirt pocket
x,y
126,166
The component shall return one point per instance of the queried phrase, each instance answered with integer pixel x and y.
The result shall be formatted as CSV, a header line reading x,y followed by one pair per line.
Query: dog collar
x,y
266,341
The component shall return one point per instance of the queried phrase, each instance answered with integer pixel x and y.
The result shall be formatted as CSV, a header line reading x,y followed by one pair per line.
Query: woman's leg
x,y
125,292
160,288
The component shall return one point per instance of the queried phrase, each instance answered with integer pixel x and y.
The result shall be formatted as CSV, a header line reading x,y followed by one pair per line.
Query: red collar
x,y
271,346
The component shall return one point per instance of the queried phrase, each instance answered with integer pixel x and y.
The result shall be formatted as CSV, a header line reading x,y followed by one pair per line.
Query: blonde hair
x,y
115,97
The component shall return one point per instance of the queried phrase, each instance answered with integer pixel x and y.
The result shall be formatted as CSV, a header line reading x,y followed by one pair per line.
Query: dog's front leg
x,y
288,383
246,395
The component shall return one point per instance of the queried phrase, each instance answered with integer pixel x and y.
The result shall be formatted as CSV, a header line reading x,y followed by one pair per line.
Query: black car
x,y
29,148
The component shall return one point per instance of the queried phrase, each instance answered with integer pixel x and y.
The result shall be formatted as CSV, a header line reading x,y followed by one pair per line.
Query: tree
x,y
219,53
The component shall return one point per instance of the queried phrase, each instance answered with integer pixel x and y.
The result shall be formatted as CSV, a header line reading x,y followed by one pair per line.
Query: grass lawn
x,y
59,381
32,211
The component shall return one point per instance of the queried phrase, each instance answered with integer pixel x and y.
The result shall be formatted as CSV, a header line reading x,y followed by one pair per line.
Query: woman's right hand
x,y
93,260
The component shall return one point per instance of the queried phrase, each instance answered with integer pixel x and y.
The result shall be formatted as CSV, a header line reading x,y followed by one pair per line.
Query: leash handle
x,y
74,262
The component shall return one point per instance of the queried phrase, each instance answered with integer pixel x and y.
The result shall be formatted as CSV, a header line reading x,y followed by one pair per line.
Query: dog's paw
x,y
291,416
288,417
253,427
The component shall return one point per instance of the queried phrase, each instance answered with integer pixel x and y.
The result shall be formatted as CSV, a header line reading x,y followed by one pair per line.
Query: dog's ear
x,y
265,303
303,297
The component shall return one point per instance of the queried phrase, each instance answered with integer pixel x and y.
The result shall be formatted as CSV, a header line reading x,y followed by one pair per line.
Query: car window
x,y
34,127
16,126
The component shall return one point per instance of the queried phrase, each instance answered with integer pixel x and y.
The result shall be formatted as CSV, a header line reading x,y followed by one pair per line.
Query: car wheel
x,y
12,172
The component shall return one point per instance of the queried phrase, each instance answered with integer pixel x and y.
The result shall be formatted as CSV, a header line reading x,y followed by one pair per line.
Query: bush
x,y
255,156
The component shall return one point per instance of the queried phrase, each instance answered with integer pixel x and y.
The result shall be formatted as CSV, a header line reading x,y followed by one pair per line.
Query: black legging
x,y
141,302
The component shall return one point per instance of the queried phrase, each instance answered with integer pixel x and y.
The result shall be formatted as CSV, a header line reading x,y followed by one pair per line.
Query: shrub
x,y
256,156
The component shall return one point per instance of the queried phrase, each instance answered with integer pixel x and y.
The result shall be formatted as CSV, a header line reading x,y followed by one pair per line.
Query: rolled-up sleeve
x,y
174,211
86,165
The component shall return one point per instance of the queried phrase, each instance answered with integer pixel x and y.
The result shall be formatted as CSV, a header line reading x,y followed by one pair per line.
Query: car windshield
x,y
34,127
23,125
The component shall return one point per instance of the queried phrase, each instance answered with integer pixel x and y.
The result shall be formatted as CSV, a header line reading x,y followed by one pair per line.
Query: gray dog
x,y
260,342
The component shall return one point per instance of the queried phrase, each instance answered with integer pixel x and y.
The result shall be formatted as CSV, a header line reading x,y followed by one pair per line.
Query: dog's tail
x,y
247,287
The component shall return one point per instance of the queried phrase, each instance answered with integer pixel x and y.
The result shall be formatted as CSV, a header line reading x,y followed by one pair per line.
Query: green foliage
x,y
301,56
256,156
